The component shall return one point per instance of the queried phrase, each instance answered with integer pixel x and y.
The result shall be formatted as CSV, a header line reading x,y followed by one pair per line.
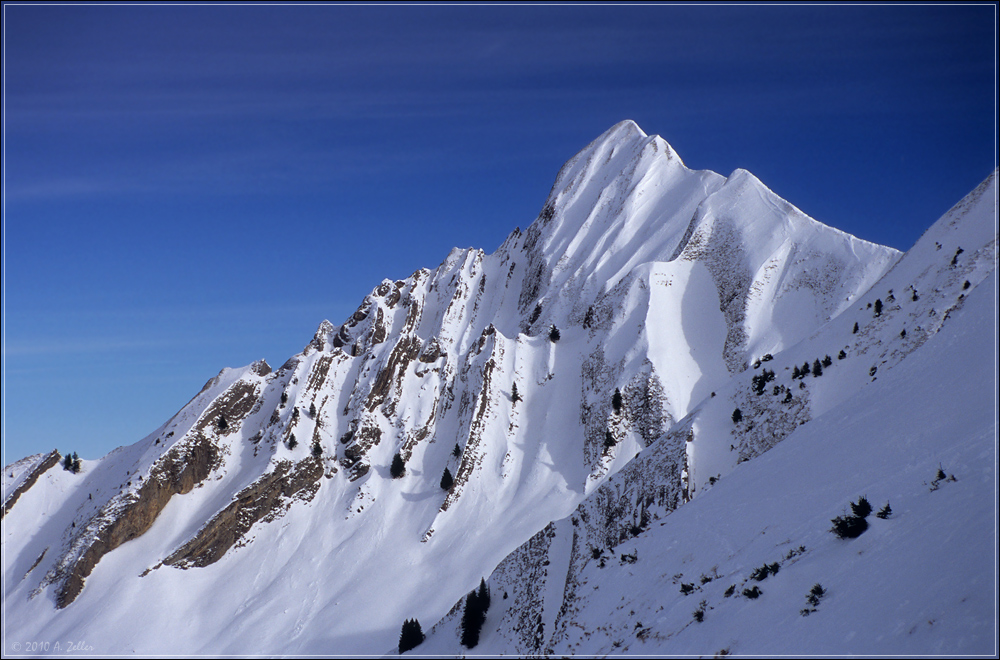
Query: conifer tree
x,y
514,396
862,507
484,594
878,307
855,330
554,334
312,410
447,480
398,467
609,439
737,416
817,369
616,400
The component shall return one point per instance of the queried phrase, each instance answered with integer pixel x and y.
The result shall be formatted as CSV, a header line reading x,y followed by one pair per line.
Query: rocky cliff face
x,y
639,275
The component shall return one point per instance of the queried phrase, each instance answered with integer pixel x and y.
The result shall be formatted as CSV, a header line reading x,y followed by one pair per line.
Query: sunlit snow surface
x,y
664,282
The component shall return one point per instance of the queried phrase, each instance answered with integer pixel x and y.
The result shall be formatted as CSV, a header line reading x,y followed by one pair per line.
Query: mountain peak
x,y
594,360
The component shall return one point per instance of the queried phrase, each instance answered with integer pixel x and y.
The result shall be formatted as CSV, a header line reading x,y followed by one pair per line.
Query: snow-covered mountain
x,y
631,351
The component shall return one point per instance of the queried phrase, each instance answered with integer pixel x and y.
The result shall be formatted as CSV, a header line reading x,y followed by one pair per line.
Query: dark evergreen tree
x,y
827,361
554,333
411,636
312,410
447,480
841,355
457,451
862,507
284,398
398,467
317,449
884,512
473,617
616,400
878,307
223,424
484,595
795,372
609,440
68,463
514,396
76,463
849,527
817,369
805,369
855,330
737,416
292,442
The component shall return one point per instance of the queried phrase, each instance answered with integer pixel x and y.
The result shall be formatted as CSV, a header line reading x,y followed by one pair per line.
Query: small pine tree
x,y
878,307
862,507
554,333
223,424
292,442
855,330
398,467
795,372
841,355
827,361
457,451
447,480
609,439
817,369
884,512
317,449
312,410
616,400
76,464
514,396
411,636
737,416
68,463
849,527
284,398
805,369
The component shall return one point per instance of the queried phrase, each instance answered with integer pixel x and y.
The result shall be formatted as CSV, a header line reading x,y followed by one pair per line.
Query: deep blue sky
x,y
193,187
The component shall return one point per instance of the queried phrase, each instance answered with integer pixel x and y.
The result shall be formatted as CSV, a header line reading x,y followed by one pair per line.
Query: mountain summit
x,y
512,415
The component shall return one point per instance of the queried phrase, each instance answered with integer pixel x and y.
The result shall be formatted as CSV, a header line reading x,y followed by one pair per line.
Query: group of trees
x,y
854,525
761,380
411,636
474,616
817,367
71,463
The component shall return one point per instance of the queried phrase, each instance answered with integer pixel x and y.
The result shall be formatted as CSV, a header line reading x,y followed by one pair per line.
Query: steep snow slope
x,y
922,581
663,283
886,414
